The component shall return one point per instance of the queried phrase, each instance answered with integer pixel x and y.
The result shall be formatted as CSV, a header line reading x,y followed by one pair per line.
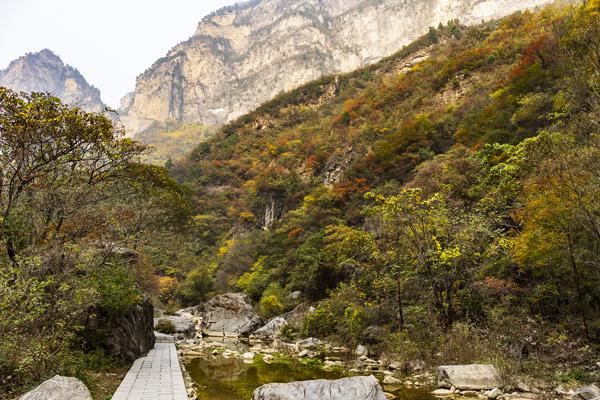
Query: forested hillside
x,y
77,212
446,195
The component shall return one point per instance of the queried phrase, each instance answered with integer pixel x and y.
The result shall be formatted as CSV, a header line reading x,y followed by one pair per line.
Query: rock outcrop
x,y
132,335
44,71
244,55
271,329
127,335
469,377
229,315
354,388
59,388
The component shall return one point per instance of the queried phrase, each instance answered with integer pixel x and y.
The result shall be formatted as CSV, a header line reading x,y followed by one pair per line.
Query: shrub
x,y
270,306
196,286
165,326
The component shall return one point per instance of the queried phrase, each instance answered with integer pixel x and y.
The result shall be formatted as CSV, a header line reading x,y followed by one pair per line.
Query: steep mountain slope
x,y
242,56
44,71
445,195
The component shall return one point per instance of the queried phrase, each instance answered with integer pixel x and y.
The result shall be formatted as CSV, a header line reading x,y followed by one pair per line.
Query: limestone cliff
x,y
244,55
44,71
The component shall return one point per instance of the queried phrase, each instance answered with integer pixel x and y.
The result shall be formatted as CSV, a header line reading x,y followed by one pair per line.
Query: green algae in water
x,y
220,378
405,393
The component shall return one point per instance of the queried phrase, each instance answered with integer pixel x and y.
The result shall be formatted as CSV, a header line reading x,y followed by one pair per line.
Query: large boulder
x,y
230,315
183,325
469,377
59,388
354,388
591,392
271,330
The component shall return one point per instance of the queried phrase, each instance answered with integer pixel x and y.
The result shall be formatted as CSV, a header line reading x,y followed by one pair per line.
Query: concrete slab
x,y
154,377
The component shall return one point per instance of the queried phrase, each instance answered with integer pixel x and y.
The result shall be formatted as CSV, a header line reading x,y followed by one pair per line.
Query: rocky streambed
x,y
229,353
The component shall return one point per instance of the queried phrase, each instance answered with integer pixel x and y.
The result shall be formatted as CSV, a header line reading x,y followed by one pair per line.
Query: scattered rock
x,y
354,388
295,295
268,358
391,381
309,343
285,347
248,356
395,366
523,387
493,394
520,396
303,353
442,392
587,393
361,351
473,376
189,312
330,363
59,388
416,365
560,391
229,315
271,330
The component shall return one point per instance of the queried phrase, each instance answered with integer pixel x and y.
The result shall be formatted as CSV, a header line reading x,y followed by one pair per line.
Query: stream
x,y
220,376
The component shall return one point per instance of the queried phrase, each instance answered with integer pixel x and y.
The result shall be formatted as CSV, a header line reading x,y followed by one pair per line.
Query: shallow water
x,y
220,378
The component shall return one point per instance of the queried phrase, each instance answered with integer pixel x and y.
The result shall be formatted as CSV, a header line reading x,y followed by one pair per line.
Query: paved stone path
x,y
154,377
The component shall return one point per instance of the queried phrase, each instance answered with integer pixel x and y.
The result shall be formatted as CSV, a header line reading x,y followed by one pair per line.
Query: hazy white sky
x,y
109,41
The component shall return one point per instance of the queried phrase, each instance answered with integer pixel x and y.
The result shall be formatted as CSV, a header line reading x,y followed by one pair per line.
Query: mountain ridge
x,y
44,71
244,55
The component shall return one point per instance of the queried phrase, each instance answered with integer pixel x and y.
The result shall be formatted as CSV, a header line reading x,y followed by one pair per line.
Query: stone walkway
x,y
154,377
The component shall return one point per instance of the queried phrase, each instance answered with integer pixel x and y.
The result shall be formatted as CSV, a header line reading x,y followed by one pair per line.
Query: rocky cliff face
x,y
45,72
244,55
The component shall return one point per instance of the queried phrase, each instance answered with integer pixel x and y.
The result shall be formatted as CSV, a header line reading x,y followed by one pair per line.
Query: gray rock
x,y
267,358
361,351
297,316
591,392
126,336
395,366
219,74
303,353
309,343
44,71
295,295
59,388
523,387
493,394
272,329
188,312
354,388
391,381
416,365
182,325
469,377
230,315
442,392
